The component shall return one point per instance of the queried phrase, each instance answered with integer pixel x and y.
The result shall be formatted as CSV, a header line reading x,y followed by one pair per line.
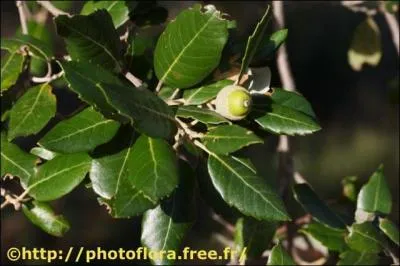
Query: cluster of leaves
x,y
133,142
360,239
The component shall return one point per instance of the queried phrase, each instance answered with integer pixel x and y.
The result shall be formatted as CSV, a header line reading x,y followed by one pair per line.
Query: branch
x,y
134,80
52,9
282,57
393,27
22,16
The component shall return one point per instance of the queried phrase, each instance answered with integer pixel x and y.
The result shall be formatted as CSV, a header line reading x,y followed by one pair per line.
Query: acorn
x,y
233,102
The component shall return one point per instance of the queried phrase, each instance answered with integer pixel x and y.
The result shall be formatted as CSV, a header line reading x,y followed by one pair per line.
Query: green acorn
x,y
233,102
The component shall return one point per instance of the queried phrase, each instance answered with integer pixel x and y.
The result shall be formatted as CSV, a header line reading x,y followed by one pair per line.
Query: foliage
x,y
149,172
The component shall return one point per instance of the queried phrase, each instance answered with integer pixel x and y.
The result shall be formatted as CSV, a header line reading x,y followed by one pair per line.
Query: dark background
x,y
358,112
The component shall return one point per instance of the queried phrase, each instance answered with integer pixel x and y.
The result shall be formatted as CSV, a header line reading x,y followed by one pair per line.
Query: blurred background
x,y
358,112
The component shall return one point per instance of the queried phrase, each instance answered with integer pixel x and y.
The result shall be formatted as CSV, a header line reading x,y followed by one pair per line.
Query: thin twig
x,y
159,84
52,9
355,7
22,16
134,80
46,78
191,133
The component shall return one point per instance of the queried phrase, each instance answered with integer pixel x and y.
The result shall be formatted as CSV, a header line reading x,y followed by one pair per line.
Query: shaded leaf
x,y
310,201
254,41
205,116
229,138
118,10
59,176
91,38
147,112
32,111
100,88
364,237
165,227
190,47
204,93
352,257
42,215
331,238
390,229
375,196
147,174
15,161
366,45
82,132
270,45
240,186
280,119
253,235
84,78
279,256
11,67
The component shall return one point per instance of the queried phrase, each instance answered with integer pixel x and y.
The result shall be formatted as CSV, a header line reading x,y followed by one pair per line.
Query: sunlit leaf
x,y
42,215
190,47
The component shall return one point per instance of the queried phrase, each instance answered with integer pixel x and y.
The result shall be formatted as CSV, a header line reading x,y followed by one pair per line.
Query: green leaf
x,y
310,201
11,67
254,41
253,235
229,138
100,88
37,48
84,78
82,132
166,93
15,161
118,10
59,176
280,119
43,153
366,45
92,38
331,238
269,45
165,227
279,256
204,93
240,186
352,257
148,113
349,187
205,116
390,229
190,47
42,215
136,178
39,31
292,100
364,237
375,196
32,111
